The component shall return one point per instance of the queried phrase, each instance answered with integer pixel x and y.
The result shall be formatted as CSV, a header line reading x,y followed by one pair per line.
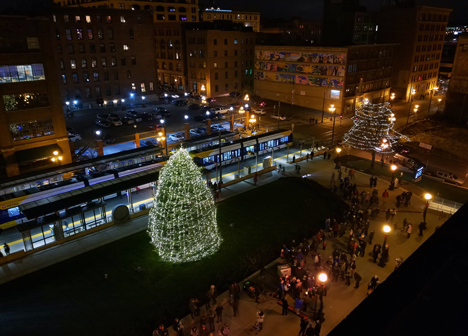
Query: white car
x,y
74,137
114,121
176,137
275,116
259,111
450,177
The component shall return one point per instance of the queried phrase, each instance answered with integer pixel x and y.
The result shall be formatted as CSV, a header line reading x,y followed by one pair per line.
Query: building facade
x,y
169,18
420,31
295,30
32,124
220,58
247,19
318,77
456,106
103,55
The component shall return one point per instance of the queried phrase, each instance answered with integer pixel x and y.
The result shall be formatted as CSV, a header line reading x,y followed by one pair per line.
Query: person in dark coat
x,y
285,305
384,256
318,327
357,278
310,330
422,227
371,237
303,326
376,251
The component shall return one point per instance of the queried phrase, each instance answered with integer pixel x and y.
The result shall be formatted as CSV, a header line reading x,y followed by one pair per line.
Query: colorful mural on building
x,y
301,57
299,79
324,70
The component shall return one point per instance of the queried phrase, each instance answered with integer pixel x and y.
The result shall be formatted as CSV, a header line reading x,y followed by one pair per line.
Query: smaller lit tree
x,y
373,129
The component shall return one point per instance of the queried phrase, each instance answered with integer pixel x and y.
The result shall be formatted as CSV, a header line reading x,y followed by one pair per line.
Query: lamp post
x,y
438,104
338,151
392,97
252,120
413,92
160,137
386,230
392,182
332,110
428,197
242,112
56,158
163,122
430,100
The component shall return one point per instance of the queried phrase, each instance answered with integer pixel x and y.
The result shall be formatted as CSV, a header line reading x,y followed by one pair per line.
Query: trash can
x,y
284,270
247,170
142,207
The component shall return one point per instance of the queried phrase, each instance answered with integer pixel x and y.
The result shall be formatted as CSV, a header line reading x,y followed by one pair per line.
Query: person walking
x,y
371,237
211,320
303,324
294,159
385,196
6,248
235,307
348,278
285,305
329,156
409,230
255,179
219,313
318,327
357,278
325,155
422,227
298,304
310,330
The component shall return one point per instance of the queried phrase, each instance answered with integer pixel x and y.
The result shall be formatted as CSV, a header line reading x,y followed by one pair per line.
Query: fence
x,y
444,206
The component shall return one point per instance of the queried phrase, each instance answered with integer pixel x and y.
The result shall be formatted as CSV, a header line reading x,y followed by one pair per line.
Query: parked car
x,y
176,137
154,127
71,131
135,116
407,161
275,116
128,120
450,178
259,111
195,132
199,118
217,128
114,121
221,110
401,149
201,130
102,123
161,111
194,107
173,95
179,102
113,115
262,104
74,137
147,116
101,116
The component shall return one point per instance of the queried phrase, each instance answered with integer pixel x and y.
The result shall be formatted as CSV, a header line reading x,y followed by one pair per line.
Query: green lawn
x,y
74,298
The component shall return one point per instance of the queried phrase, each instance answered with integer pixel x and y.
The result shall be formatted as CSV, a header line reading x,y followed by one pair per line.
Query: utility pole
x,y
323,106
220,165
279,105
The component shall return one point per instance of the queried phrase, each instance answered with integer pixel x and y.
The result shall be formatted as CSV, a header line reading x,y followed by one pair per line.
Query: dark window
x,y
96,76
31,129
130,33
92,48
102,48
122,61
106,75
70,48
100,34
133,60
112,47
129,74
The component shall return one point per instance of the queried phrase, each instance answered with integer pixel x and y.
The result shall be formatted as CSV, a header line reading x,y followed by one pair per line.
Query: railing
x,y
444,206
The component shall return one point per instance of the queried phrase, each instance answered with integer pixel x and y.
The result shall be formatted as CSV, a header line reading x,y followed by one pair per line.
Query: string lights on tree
x,y
182,224
373,129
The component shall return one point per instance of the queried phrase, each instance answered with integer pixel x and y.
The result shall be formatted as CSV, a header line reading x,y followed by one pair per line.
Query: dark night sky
x,y
310,9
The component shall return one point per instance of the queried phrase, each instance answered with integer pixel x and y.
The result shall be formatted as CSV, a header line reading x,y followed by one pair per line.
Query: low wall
x,y
249,176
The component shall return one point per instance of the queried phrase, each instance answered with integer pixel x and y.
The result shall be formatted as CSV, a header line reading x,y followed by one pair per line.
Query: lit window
x,y
65,18
72,64
125,47
88,19
78,19
33,42
79,33
151,86
143,89
235,41
122,19
133,86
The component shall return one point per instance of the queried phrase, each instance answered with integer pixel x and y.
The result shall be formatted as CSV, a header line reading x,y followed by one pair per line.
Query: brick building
x,y
219,58
420,31
247,19
32,125
103,55
318,77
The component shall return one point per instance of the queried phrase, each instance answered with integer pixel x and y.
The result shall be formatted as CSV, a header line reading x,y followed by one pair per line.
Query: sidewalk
x,y
338,303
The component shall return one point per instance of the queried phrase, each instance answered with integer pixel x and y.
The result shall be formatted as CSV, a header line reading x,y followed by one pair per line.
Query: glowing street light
x,y
392,183
438,105
186,117
338,151
387,230
428,197
332,110
246,97
323,277
57,158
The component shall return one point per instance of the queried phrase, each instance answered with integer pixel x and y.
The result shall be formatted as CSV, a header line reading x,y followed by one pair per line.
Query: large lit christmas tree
x,y
373,129
182,224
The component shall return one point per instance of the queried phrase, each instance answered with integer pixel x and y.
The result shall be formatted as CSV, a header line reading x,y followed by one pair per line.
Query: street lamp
x,y
246,97
186,117
392,183
338,151
413,92
160,137
387,230
430,100
98,132
323,277
332,110
57,158
428,197
438,105
163,122
392,118
392,97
